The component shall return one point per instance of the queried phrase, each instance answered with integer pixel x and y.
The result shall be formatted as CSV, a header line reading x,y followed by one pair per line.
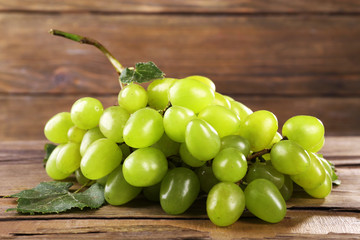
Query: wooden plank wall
x,y
290,57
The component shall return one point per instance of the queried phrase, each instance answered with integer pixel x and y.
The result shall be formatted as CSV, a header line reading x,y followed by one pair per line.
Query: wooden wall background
x,y
289,57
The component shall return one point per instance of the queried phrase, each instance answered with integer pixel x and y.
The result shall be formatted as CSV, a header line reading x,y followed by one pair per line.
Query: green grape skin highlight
x,y
225,203
207,81
145,167
175,120
189,159
51,168
158,93
263,199
236,141
117,190
265,171
289,158
191,94
100,159
259,129
76,134
222,119
307,131
179,189
132,97
143,128
229,165
112,123
68,159
89,137
56,129
240,109
206,177
86,112
313,176
202,140
221,101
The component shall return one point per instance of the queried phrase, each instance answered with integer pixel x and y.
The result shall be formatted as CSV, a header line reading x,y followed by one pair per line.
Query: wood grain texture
x,y
188,6
311,224
24,117
262,55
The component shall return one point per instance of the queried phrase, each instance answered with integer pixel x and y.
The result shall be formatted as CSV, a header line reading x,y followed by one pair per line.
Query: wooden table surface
x,y
336,216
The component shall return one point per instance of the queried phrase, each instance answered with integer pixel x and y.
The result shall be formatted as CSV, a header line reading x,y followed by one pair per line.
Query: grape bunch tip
x,y
179,138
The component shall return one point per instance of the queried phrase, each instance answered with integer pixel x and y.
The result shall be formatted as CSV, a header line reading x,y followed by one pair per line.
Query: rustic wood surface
x,y
336,216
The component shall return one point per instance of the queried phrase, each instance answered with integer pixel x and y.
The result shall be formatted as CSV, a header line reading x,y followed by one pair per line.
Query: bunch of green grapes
x,y
179,138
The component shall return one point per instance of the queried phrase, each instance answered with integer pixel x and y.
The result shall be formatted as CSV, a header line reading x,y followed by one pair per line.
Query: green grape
x,y
175,120
240,109
322,190
102,181
76,134
90,136
266,171
204,80
225,203
51,168
81,179
158,92
100,159
145,167
167,146
112,123
56,129
179,189
276,139
235,141
313,176
152,193
229,165
144,128
206,177
326,165
289,158
221,101
117,190
263,199
202,140
86,112
307,131
68,159
318,146
287,189
125,149
259,128
189,159
132,97
229,98
221,118
191,94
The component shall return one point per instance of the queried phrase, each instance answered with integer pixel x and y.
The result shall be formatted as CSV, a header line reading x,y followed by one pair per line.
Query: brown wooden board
x,y
307,55
188,6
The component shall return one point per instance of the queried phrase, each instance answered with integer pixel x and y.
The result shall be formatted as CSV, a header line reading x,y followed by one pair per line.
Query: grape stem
x,y
258,154
86,40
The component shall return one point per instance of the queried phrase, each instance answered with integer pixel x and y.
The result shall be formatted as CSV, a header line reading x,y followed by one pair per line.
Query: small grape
x,y
133,97
86,112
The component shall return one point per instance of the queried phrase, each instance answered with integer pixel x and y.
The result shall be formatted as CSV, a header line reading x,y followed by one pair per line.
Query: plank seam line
x,y
188,13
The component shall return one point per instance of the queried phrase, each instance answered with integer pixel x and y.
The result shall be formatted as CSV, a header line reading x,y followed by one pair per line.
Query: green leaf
x,y
54,197
335,179
143,72
49,148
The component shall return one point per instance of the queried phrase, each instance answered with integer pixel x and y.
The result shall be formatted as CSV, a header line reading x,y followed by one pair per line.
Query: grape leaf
x,y
143,72
49,148
335,179
54,197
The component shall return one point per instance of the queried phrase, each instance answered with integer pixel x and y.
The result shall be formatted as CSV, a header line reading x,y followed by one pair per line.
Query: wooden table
x,y
336,216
